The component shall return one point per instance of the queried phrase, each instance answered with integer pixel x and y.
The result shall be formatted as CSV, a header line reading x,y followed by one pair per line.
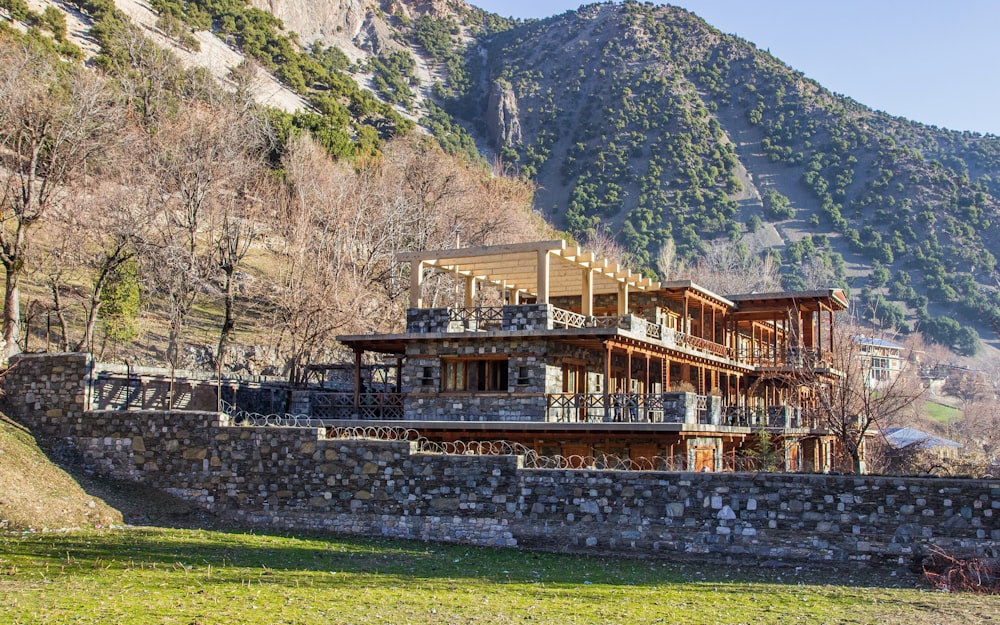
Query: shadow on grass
x,y
175,533
239,554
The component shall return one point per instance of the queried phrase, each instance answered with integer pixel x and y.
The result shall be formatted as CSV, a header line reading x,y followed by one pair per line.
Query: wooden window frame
x,y
490,374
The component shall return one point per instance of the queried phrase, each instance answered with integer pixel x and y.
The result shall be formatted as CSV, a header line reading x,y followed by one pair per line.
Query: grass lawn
x,y
941,413
208,577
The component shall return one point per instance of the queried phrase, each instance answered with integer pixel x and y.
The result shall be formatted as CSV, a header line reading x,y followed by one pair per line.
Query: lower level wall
x,y
296,478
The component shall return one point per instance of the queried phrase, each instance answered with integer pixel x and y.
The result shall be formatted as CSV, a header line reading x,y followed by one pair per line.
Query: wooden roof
x,y
517,266
765,304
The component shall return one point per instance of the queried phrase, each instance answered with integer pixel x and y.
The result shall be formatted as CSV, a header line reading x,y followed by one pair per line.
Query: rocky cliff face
x,y
360,24
501,116
326,20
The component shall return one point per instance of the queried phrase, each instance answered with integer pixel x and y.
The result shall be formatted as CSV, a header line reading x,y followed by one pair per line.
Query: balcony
x,y
676,407
544,317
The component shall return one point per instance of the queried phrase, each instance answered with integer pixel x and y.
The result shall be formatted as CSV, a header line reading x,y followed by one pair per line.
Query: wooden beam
x,y
492,250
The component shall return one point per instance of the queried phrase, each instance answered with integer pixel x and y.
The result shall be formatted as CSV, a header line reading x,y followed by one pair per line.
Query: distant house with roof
x,y
882,360
901,438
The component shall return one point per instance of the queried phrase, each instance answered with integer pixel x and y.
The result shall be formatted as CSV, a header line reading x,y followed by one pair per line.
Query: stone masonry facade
x,y
296,478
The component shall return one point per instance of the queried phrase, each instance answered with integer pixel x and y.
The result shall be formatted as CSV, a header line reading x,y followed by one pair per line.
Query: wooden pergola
x,y
539,270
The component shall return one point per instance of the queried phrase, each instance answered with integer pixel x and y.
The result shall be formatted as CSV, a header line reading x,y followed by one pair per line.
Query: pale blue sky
x,y
931,61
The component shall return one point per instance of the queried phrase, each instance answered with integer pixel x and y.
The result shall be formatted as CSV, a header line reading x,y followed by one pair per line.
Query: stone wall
x,y
297,478
523,400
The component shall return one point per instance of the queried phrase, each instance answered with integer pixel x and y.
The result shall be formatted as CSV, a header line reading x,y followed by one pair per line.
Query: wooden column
x,y
587,293
357,378
686,326
416,283
831,332
470,291
819,331
622,298
543,277
628,370
607,382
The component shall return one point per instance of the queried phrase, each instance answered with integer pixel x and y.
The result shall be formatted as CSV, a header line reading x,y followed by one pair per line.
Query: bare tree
x,y
668,264
729,268
849,403
90,239
193,160
979,428
54,121
241,221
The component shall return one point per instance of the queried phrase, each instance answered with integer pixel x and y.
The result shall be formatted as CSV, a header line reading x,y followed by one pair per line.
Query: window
x,y
427,379
523,377
474,374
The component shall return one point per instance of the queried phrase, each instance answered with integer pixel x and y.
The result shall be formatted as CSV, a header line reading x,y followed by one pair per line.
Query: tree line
x,y
144,202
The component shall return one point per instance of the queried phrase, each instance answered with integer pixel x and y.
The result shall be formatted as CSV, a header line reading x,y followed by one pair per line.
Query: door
x,y
704,459
575,384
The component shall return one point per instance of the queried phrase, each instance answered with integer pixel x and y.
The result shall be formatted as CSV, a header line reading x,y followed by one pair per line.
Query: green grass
x,y
941,413
197,576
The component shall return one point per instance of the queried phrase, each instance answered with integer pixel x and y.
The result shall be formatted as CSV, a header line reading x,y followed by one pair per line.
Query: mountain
x,y
650,121
646,122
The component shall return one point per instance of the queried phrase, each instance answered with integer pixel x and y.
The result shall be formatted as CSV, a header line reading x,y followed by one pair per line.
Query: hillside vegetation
x,y
649,119
155,217
637,120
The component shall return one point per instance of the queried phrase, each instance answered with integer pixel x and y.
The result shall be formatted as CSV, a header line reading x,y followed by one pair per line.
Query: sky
x,y
934,62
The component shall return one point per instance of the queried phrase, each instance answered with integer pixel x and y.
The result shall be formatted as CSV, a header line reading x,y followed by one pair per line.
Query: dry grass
x,y
37,494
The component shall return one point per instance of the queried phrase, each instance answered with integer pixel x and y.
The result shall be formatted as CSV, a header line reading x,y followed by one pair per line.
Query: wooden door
x,y
704,459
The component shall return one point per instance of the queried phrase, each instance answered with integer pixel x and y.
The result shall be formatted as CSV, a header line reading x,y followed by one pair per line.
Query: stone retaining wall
x,y
296,478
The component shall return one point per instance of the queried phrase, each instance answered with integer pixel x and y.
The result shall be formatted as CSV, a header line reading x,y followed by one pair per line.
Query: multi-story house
x,y
881,360
581,358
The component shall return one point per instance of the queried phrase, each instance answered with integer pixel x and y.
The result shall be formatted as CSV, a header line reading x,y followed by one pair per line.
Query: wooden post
x,y
357,378
622,298
416,282
470,291
543,277
587,293
607,381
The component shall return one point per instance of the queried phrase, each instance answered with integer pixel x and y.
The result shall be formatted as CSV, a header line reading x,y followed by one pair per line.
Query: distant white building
x,y
881,360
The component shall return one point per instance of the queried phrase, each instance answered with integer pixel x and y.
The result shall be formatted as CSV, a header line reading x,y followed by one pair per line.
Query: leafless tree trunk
x,y
53,122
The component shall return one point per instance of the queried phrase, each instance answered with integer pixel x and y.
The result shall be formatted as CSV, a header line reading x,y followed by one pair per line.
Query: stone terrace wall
x,y
296,478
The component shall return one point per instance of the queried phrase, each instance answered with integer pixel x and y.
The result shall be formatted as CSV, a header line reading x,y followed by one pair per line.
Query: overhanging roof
x,y
516,266
832,299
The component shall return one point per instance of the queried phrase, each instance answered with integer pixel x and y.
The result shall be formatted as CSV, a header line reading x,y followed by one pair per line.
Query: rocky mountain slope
x,y
646,121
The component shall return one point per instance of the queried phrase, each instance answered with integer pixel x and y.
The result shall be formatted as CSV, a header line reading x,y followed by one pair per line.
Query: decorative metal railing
x,y
615,408
478,318
790,356
371,405
530,458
